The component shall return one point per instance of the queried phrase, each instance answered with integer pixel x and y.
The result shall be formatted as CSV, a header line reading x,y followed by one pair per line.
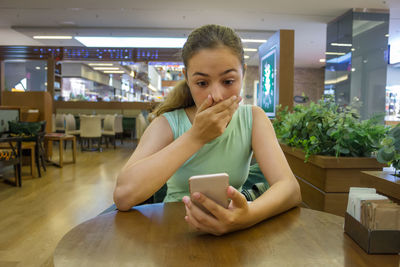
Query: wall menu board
x,y
92,53
267,89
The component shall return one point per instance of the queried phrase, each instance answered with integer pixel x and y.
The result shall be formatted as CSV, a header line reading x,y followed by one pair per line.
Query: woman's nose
x,y
216,93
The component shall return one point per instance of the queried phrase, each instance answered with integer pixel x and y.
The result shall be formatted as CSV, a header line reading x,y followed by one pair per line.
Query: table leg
x,y
33,161
74,149
61,152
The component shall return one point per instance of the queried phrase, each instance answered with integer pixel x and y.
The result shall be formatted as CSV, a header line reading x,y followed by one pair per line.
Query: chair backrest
x,y
141,125
60,122
70,123
109,123
42,126
90,126
27,129
118,124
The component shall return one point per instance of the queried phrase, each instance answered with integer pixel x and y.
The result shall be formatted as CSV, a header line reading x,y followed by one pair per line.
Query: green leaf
x,y
386,154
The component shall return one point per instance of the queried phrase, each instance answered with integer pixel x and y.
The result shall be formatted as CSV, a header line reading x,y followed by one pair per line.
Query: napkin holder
x,y
372,241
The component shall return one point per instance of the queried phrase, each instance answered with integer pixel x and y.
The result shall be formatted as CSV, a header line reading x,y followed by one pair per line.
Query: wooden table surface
x,y
157,235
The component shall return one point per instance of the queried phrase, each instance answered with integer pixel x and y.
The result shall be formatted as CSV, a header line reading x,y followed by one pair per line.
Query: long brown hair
x,y
207,36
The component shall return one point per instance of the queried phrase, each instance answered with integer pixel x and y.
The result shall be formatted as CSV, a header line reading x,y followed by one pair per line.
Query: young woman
x,y
201,129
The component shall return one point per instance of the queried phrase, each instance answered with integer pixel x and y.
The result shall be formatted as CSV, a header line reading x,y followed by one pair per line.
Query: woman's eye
x,y
202,83
228,82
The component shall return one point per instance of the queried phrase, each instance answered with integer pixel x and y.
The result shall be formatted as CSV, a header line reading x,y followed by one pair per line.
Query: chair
x,y
90,130
32,132
60,123
119,131
12,156
70,125
128,124
38,138
109,128
141,125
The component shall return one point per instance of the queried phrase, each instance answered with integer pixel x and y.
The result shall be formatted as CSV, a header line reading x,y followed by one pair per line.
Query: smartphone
x,y
214,186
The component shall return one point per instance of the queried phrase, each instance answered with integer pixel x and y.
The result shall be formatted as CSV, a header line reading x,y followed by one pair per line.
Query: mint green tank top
x,y
231,152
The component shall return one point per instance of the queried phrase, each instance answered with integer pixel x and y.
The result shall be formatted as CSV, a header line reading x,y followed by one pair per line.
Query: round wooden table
x,y
157,235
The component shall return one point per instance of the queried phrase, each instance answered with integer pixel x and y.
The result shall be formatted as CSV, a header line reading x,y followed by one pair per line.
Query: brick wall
x,y
310,81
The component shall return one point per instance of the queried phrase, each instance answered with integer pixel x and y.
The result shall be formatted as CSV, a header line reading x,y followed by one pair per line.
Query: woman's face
x,y
216,72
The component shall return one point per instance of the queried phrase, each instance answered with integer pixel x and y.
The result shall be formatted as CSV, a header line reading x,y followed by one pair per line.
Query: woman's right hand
x,y
211,121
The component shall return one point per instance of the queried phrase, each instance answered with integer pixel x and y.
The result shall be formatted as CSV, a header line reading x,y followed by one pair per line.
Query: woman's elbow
x,y
297,193
120,200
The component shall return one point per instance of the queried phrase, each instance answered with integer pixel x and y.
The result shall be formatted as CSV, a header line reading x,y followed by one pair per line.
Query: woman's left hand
x,y
235,217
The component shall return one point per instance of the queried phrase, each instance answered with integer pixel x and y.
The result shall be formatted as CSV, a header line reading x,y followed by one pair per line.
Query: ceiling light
x,y
246,56
92,93
101,64
322,60
353,49
38,68
106,68
387,35
151,87
335,53
139,42
341,44
337,80
249,49
67,23
114,71
253,41
49,37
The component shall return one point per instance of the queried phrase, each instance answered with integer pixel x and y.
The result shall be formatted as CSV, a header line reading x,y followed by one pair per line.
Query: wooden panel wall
x,y
286,68
100,105
36,100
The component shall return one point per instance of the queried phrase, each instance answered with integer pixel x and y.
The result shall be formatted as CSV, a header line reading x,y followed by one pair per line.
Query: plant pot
x,y
325,180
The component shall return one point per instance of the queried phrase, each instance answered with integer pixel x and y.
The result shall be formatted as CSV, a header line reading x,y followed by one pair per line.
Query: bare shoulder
x,y
262,126
160,122
156,136
159,128
259,114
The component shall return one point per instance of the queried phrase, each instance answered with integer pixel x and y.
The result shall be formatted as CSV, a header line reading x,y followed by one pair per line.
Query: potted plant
x,y
387,181
327,146
389,152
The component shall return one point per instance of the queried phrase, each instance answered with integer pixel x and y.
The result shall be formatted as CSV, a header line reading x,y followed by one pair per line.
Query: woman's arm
x,y
284,192
155,159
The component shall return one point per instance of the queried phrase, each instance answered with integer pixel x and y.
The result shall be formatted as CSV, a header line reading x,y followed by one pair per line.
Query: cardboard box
x,y
372,241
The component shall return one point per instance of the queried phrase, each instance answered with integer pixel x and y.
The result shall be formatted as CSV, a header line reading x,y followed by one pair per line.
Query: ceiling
x,y
19,20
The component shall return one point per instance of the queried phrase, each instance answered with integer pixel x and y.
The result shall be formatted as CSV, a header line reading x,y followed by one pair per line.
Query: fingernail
x,y
185,200
231,190
196,196
234,97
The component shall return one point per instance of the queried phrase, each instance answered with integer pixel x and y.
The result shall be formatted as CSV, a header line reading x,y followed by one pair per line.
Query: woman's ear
x,y
185,74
